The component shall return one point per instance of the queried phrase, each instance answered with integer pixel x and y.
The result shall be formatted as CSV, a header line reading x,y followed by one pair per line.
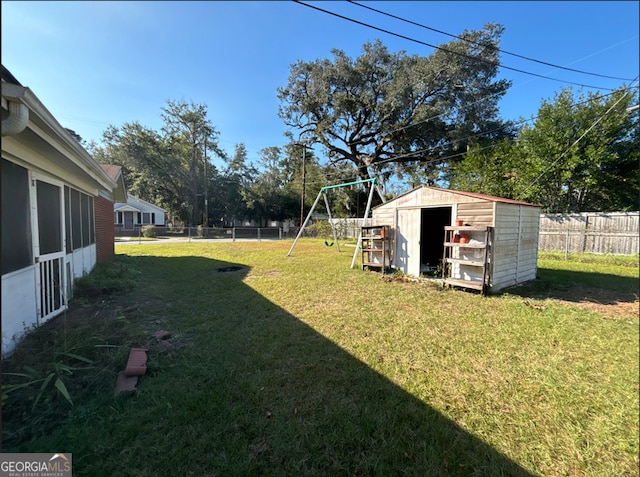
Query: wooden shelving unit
x,y
376,247
466,261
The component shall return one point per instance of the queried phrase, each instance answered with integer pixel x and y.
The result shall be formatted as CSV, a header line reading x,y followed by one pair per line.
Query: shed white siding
x,y
480,213
515,245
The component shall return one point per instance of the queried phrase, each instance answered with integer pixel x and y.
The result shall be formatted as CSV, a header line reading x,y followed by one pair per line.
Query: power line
x,y
477,44
595,123
462,153
482,133
404,37
484,99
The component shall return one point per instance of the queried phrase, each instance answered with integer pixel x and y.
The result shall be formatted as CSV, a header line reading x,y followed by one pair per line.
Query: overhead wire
x,y
482,133
478,44
595,123
404,37
450,143
340,178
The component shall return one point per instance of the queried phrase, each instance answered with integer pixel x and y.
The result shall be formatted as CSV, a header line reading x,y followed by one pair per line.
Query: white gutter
x,y
18,117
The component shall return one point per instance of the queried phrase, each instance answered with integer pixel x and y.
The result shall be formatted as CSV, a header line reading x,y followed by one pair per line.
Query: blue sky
x,y
93,64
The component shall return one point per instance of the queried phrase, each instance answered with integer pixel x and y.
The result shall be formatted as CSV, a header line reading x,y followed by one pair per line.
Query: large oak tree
x,y
386,112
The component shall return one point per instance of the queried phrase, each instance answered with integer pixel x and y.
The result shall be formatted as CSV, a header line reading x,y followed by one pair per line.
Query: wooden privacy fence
x,y
590,232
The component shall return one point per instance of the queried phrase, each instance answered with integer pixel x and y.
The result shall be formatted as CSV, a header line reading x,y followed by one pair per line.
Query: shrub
x,y
321,229
149,231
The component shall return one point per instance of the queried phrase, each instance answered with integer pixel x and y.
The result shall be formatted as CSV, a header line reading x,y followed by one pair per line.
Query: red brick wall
x,y
103,210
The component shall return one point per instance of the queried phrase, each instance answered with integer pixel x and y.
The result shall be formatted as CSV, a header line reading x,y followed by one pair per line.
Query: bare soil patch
x,y
609,303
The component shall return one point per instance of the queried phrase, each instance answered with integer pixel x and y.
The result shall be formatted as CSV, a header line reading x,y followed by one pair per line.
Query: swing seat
x,y
327,244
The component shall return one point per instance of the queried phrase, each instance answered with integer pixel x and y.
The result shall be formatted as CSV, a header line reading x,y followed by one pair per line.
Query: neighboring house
x,y
136,212
57,206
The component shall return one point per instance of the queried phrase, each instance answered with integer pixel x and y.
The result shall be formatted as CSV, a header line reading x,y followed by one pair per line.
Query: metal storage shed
x,y
420,218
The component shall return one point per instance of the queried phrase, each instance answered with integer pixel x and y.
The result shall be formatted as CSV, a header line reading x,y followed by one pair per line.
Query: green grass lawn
x,y
302,366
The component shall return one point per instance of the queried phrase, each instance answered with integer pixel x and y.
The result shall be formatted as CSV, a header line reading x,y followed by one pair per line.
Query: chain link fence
x,y
146,232
594,232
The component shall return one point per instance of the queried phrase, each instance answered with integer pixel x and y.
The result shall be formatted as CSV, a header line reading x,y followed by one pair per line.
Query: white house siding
x,y
19,288
82,260
19,310
54,162
136,205
403,215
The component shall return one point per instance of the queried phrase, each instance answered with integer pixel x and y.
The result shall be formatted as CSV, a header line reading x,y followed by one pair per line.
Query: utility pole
x,y
304,160
206,186
304,174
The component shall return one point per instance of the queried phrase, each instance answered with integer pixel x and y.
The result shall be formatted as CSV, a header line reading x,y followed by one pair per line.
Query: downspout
x,y
18,118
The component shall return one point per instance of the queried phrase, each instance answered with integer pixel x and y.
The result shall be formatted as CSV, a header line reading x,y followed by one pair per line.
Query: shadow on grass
x,y
259,392
580,286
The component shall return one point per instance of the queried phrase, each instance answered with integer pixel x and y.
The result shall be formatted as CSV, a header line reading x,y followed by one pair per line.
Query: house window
x,y
146,217
16,218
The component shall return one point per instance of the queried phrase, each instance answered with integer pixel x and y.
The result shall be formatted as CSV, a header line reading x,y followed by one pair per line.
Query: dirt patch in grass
x,y
611,304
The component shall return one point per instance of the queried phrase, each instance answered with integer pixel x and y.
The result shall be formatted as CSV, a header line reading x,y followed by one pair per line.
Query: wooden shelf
x,y
465,228
464,261
375,246
465,245
452,260
476,285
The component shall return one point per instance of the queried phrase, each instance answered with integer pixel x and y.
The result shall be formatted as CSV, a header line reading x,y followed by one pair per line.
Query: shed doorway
x,y
420,239
433,220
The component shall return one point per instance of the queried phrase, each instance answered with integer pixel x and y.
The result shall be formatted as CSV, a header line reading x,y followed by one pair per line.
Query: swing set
x,y
323,193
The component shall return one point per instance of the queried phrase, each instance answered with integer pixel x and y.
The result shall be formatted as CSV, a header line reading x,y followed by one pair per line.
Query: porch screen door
x,y
50,277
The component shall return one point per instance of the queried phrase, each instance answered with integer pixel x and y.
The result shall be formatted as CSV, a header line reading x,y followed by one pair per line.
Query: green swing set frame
x,y
323,193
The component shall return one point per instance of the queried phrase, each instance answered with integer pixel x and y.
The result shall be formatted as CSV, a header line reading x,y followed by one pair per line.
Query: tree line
x,y
397,117
173,169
